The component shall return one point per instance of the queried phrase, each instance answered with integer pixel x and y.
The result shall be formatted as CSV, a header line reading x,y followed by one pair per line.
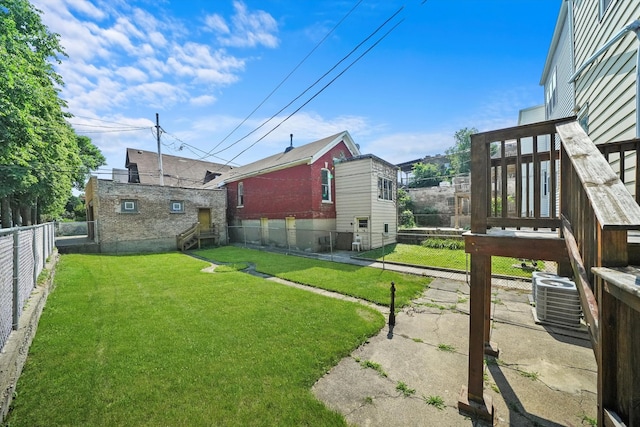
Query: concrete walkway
x,y
412,374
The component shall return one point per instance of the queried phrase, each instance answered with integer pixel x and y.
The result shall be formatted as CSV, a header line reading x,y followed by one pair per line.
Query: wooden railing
x,y
189,238
551,176
514,173
625,161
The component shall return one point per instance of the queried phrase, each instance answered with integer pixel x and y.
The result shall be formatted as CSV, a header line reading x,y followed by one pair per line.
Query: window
x,y
326,184
385,189
603,6
583,117
363,223
176,206
386,228
128,206
240,194
551,96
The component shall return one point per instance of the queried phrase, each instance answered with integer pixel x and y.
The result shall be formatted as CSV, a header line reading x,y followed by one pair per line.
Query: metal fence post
x,y
383,251
392,310
16,272
36,258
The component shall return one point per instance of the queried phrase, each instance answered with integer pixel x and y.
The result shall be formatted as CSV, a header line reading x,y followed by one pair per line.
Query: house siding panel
x,y
607,86
357,196
562,63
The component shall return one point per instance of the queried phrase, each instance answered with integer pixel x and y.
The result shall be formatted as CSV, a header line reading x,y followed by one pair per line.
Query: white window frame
x,y
176,206
325,172
385,189
129,206
240,194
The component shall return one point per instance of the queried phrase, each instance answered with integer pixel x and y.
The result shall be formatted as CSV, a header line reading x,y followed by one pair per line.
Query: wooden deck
x,y
545,191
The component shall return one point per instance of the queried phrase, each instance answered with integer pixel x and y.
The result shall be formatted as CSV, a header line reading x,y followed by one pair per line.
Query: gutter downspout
x,y
635,27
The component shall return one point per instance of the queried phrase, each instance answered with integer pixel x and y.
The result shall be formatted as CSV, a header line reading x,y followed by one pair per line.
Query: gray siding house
x,y
592,72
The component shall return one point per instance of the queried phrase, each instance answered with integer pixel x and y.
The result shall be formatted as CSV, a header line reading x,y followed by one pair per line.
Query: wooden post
x,y
611,252
472,398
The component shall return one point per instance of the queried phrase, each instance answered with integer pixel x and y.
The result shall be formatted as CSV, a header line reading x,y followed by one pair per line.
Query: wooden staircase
x,y
585,230
189,238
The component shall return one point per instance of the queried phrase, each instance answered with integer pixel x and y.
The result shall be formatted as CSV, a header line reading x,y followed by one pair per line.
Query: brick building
x,y
146,218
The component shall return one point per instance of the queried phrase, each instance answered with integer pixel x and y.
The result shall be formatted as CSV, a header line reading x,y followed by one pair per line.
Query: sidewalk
x,y
544,375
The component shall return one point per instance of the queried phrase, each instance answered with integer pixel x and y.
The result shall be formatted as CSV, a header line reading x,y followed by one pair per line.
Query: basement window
x,y
129,206
176,206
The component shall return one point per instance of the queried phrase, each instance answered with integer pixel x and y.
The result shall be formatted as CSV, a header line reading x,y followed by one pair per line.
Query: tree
x,y
427,175
41,157
460,153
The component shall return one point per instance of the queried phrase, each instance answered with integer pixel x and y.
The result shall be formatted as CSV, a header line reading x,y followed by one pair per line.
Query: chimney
x,y
290,147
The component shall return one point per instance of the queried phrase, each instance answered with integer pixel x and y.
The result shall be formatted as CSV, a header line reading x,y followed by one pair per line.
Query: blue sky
x,y
209,67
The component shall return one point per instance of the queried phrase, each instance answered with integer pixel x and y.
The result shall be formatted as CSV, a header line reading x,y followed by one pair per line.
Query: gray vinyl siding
x,y
608,85
562,63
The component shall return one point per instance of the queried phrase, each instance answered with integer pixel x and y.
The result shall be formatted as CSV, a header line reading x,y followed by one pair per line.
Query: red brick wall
x,y
295,191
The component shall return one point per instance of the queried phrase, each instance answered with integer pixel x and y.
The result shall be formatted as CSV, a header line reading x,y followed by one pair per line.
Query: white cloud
x,y
132,74
86,8
203,100
248,29
216,23
402,147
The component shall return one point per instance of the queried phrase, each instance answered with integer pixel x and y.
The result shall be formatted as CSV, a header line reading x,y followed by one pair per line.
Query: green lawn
x,y
371,284
442,258
150,340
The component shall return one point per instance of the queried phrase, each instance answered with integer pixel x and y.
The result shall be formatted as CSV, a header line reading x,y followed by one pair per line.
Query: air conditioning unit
x,y
537,275
557,301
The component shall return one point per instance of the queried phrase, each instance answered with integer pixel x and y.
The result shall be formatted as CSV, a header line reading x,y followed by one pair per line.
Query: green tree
x,y
404,200
427,175
41,157
460,153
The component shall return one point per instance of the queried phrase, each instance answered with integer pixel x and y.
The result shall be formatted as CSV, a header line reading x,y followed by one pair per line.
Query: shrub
x,y
407,220
443,244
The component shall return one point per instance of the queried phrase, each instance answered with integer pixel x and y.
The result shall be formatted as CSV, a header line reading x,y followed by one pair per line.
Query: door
x,y
204,219
361,229
290,225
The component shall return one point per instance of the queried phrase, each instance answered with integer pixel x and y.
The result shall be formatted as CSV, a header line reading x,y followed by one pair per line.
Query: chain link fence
x,y
438,248
23,254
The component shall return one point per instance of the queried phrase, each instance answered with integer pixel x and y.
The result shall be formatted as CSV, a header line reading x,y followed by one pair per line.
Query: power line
x,y
286,78
315,83
318,92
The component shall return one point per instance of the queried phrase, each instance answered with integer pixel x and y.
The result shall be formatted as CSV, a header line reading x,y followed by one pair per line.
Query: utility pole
x,y
159,150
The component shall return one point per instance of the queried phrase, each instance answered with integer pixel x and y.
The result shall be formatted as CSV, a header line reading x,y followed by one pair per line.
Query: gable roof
x,y
305,154
177,171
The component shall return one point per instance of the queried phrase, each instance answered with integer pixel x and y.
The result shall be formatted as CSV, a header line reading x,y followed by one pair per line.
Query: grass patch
x,y
371,284
454,259
590,421
375,366
150,340
531,375
446,347
436,401
404,389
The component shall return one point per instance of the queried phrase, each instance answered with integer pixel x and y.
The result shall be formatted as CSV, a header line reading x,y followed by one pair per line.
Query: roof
x,y
305,154
177,171
371,157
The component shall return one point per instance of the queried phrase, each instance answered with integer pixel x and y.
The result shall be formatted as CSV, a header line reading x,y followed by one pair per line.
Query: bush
x,y
443,244
407,220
